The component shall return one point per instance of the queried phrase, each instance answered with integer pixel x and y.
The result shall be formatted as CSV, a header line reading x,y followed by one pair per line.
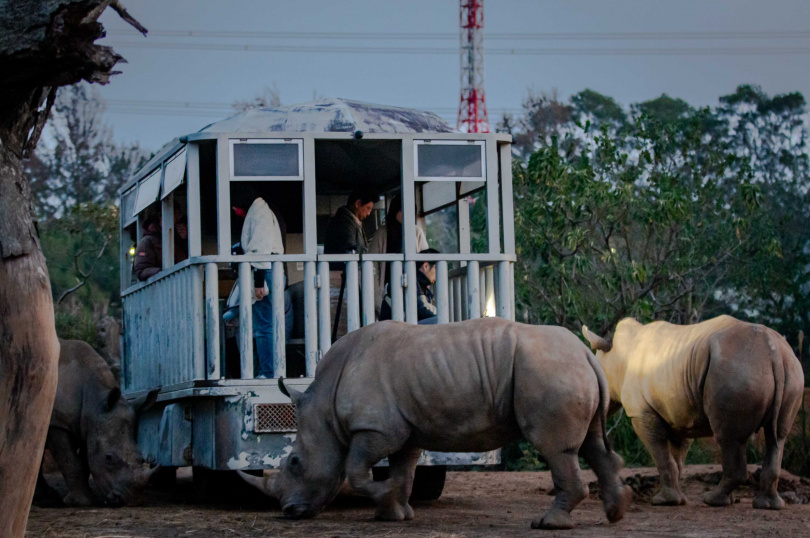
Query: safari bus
x,y
194,357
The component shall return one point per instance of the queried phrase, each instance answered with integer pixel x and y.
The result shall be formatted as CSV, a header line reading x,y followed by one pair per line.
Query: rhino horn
x,y
289,392
265,484
597,342
144,402
146,474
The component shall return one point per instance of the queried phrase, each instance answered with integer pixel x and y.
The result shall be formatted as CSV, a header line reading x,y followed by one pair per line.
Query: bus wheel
x,y
225,487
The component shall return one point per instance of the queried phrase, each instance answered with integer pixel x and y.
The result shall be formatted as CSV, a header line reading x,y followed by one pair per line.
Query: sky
x,y
405,53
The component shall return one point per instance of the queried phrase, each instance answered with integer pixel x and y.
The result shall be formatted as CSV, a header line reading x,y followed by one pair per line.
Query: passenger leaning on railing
x,y
149,252
261,234
388,240
425,307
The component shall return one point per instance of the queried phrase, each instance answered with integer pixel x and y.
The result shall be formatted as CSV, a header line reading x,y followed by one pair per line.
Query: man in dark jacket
x,y
425,278
345,232
149,252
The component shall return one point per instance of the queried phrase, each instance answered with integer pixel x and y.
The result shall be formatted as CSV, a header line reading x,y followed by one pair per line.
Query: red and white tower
x,y
472,110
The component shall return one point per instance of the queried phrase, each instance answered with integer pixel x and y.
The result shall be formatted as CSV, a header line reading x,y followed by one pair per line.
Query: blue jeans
x,y
263,327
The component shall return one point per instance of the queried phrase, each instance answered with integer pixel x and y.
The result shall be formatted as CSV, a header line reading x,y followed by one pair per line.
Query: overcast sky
x,y
632,50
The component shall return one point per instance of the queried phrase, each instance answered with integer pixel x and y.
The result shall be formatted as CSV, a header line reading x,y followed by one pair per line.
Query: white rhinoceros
x,y
722,377
92,431
393,389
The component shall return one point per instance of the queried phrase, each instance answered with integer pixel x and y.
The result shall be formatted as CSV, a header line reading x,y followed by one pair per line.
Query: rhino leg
x,y
570,491
391,495
616,497
76,475
680,448
767,497
735,472
655,435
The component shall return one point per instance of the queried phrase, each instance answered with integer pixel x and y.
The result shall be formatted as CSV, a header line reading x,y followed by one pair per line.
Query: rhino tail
x,y
604,395
779,379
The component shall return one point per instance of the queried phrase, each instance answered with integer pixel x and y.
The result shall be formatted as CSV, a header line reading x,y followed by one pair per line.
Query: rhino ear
x,y
597,342
112,399
291,393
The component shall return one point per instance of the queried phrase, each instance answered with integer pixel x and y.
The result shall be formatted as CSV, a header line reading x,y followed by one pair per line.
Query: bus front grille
x,y
274,418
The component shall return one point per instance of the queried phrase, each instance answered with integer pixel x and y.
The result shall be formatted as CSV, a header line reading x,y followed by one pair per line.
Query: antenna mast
x,y
472,110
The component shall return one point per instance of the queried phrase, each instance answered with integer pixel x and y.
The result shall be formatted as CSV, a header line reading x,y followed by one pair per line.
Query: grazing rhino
x,y
722,377
92,431
393,389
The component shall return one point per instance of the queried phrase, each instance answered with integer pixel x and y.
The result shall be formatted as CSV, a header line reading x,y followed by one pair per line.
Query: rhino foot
x,y
769,502
77,498
395,512
668,496
617,505
554,519
718,497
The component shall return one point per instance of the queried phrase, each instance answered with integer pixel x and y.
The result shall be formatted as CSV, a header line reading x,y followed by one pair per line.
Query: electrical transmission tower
x,y
472,110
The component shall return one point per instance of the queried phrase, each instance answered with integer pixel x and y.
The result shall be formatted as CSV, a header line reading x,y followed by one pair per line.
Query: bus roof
x,y
332,115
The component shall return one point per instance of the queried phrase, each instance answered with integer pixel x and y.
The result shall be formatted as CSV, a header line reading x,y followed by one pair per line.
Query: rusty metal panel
x,y
164,332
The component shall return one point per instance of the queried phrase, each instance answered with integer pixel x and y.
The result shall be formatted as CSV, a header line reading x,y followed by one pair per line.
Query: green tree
x,y
645,225
591,106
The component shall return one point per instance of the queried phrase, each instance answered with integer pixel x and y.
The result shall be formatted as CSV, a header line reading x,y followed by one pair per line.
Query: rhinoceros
x,y
722,377
393,389
92,431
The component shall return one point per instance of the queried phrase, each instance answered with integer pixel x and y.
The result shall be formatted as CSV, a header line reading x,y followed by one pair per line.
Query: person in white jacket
x,y
388,240
261,234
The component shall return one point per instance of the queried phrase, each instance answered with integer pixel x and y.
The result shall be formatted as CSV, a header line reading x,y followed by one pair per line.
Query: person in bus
x,y
261,234
425,306
345,233
180,237
388,240
149,252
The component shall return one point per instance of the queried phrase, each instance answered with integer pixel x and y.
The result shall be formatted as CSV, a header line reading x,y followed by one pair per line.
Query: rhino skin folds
x,y
722,377
393,389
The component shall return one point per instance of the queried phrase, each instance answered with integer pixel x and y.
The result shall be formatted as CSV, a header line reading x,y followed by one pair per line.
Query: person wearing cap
x,y
425,307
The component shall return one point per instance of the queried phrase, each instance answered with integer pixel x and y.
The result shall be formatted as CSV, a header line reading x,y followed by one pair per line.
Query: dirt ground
x,y
473,504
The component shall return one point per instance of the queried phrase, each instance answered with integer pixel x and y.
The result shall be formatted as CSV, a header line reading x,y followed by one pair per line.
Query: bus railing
x,y
468,286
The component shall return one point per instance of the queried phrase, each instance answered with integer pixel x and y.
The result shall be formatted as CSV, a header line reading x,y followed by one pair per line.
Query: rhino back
x,y
667,366
454,381
83,375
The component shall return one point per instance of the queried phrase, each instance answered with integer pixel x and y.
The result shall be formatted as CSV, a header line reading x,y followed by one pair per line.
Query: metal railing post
x,y
352,297
397,310
212,320
442,302
324,311
310,318
504,290
410,293
246,319
473,290
368,292
279,322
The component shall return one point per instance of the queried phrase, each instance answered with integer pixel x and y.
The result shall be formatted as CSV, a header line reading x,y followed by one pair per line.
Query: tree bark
x,y
44,44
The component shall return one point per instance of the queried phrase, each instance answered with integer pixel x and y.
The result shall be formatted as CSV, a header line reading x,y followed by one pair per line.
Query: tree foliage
x,y
78,163
670,212
643,226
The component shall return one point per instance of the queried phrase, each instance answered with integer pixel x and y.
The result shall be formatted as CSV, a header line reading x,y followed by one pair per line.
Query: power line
x,y
702,51
434,36
214,110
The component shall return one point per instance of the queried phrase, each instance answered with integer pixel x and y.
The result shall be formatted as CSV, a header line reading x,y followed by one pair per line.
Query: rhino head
x,y
312,474
117,466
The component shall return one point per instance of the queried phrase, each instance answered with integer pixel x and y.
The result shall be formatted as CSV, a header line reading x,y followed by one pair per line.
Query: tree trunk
x,y
44,44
